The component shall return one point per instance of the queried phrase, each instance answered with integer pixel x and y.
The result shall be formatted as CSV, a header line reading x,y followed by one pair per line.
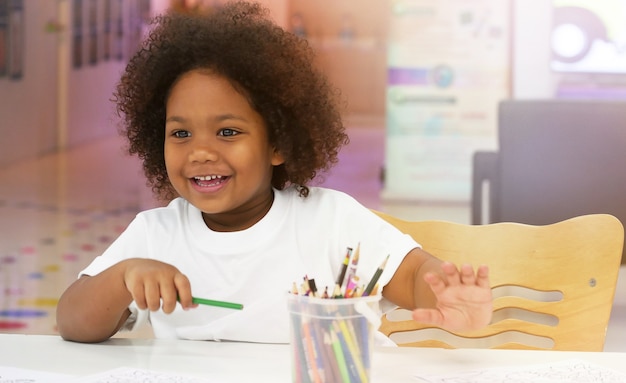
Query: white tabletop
x,y
246,362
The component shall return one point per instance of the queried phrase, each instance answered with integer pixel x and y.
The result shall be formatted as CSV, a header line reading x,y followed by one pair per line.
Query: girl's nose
x,y
203,153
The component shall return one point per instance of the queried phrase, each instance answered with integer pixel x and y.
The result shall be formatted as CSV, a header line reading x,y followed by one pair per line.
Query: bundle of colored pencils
x,y
347,284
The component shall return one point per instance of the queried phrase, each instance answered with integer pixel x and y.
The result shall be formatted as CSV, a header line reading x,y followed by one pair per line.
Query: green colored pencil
x,y
210,302
379,271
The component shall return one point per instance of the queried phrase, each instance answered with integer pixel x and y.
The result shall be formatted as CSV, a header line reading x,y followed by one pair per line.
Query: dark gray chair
x,y
557,159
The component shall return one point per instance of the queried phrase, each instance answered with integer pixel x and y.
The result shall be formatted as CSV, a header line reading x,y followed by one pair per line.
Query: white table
x,y
246,362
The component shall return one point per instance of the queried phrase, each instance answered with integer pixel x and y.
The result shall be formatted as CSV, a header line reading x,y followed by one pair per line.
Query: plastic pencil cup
x,y
332,339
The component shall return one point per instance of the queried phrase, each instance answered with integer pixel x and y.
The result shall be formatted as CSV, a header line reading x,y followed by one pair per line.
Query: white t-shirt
x,y
256,267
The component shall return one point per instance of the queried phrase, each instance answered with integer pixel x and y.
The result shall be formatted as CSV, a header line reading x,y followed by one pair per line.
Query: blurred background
x,y
422,81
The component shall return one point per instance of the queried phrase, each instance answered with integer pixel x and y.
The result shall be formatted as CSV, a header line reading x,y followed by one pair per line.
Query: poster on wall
x,y
589,36
16,39
4,36
139,16
107,37
588,46
448,67
118,37
134,28
77,33
93,32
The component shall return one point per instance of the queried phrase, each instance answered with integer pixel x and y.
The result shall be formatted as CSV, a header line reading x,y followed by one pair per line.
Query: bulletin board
x,y
12,39
449,65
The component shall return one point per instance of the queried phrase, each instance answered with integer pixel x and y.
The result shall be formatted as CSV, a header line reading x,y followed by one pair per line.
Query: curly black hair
x,y
272,67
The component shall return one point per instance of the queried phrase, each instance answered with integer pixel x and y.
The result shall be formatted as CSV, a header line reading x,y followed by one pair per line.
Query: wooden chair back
x,y
553,285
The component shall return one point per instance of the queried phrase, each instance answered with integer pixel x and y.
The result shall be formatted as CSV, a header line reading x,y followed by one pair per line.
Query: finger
x,y
153,296
428,316
451,273
467,275
436,282
139,296
183,288
168,297
482,276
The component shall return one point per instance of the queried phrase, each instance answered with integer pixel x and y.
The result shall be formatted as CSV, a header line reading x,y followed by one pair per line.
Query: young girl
x,y
232,120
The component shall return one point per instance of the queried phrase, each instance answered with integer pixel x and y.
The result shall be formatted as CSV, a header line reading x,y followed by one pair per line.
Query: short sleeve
x,y
132,243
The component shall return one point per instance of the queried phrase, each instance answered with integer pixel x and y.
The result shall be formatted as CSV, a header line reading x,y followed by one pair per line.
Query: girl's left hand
x,y
464,300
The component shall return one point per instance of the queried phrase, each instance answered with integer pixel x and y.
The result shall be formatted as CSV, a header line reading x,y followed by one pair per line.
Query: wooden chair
x,y
553,285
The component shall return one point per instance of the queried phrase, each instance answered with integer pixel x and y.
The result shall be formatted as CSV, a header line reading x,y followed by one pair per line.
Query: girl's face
x,y
217,151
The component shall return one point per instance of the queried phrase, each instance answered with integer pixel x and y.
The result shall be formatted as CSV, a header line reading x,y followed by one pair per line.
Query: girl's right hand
x,y
154,284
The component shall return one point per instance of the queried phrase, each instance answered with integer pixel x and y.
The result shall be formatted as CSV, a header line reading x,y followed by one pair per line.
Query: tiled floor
x,y
59,211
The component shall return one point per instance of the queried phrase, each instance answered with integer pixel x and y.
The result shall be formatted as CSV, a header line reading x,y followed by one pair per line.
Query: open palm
x,y
464,300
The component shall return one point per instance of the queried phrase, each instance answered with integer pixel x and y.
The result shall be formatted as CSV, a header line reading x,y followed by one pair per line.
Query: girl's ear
x,y
277,157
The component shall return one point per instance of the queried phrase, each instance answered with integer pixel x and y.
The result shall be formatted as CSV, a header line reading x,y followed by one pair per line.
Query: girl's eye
x,y
181,134
227,132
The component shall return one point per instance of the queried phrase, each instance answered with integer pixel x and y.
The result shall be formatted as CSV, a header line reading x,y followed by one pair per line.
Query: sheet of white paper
x,y
569,371
133,375
20,375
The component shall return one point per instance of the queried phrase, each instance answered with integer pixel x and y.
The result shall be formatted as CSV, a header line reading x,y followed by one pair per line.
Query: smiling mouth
x,y
209,181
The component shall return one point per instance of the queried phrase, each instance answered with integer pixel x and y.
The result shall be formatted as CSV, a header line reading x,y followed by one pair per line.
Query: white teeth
x,y
207,178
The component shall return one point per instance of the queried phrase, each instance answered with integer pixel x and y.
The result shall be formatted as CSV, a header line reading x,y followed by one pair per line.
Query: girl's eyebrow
x,y
174,119
219,118
229,116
